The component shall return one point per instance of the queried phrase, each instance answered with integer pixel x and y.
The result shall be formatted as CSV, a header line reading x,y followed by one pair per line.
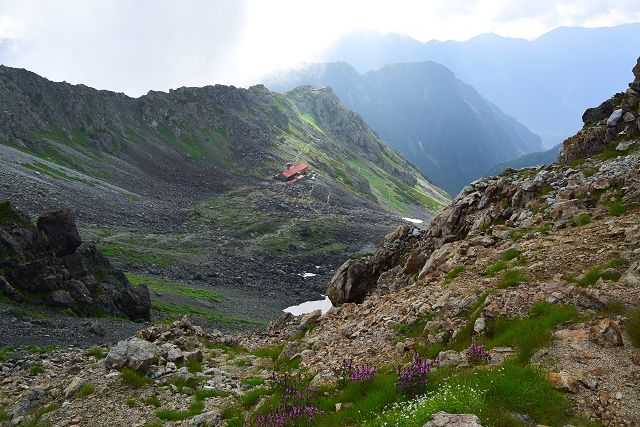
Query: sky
x,y
134,46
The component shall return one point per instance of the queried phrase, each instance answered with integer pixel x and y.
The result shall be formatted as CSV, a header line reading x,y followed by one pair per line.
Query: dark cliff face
x,y
44,264
614,121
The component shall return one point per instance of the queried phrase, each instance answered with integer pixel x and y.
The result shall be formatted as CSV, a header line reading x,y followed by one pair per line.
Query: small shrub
x,y
97,352
86,390
4,416
132,378
131,403
36,369
512,278
172,415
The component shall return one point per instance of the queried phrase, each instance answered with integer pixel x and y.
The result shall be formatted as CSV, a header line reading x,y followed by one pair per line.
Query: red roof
x,y
295,169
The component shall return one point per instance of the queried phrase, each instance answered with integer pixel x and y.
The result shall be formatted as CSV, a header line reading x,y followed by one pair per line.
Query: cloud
x,y
129,46
135,46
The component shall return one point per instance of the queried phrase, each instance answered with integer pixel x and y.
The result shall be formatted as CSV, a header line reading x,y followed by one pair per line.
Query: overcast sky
x,y
138,45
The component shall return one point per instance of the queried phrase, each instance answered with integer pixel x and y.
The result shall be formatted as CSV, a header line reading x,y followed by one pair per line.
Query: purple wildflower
x,y
412,380
477,355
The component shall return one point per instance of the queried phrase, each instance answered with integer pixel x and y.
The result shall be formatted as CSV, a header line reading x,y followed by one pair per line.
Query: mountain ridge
x,y
440,123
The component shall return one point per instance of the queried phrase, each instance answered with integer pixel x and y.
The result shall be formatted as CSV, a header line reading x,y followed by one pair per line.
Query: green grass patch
x,y
131,402
528,334
85,390
195,408
616,208
4,416
492,394
511,278
496,268
605,271
185,309
168,286
633,328
510,254
227,348
269,352
453,273
56,173
208,394
7,353
582,219
125,253
152,401
35,349
413,330
97,352
516,235
132,378
180,383
252,382
36,369
250,398
364,399
194,366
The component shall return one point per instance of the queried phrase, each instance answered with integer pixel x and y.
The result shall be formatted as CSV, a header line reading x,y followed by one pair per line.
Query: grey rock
x,y
134,353
443,419
614,118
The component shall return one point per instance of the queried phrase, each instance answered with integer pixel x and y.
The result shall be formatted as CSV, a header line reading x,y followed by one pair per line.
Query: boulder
x,y
60,229
443,419
134,353
351,283
606,333
615,117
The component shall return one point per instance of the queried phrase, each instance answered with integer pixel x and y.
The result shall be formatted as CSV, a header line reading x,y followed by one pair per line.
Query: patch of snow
x,y
307,307
305,274
413,220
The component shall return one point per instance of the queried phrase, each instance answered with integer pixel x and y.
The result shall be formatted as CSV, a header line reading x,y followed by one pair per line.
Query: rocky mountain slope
x,y
540,82
519,306
440,123
177,188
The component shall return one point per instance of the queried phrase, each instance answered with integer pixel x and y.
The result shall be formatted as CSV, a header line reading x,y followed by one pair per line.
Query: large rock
x,y
599,113
134,353
606,333
351,283
60,229
443,419
45,261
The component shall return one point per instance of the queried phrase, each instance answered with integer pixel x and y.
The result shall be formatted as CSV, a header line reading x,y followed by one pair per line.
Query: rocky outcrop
x,y
44,264
615,119
357,277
